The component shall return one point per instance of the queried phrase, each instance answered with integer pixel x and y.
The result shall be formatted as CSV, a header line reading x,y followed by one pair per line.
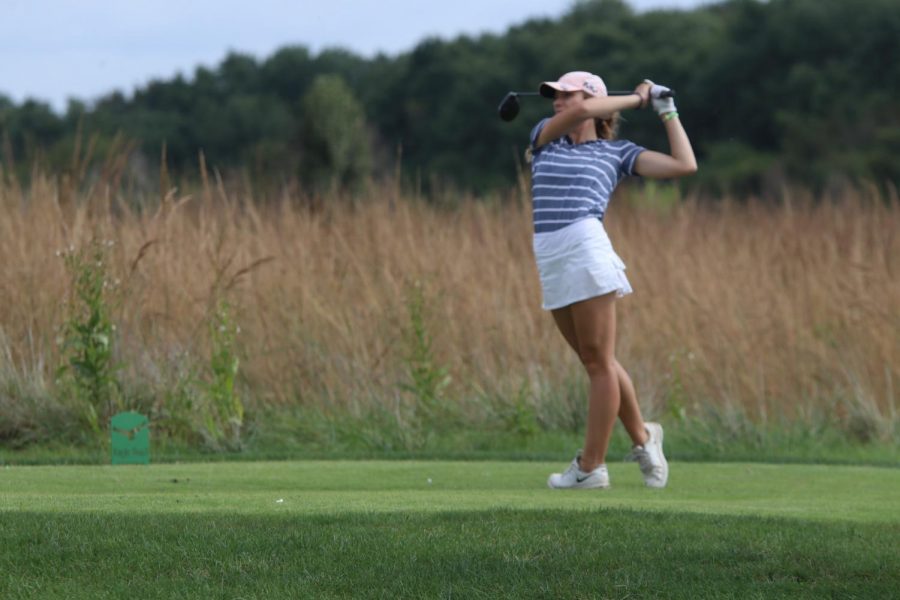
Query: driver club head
x,y
509,106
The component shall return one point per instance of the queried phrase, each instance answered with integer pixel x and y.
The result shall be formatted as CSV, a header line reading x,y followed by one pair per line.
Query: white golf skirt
x,y
578,262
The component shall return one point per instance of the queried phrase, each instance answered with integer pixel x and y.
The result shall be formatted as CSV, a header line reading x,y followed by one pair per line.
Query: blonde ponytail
x,y
607,129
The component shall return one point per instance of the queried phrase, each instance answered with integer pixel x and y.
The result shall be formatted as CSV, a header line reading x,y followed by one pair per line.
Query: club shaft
x,y
609,93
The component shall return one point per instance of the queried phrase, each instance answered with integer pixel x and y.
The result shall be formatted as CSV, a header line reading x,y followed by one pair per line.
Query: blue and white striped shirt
x,y
571,182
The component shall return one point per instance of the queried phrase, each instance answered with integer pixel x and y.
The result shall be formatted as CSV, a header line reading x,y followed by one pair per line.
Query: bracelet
x,y
640,100
669,116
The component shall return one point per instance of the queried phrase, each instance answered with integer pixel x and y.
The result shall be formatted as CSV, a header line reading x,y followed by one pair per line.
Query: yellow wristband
x,y
669,116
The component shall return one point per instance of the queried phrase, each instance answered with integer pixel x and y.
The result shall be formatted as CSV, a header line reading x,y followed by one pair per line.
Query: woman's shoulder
x,y
617,143
618,146
536,130
549,145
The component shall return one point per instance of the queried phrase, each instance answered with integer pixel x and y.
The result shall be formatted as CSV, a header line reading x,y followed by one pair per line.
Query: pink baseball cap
x,y
573,81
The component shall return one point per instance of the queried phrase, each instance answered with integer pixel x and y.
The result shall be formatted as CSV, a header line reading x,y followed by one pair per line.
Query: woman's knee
x,y
596,360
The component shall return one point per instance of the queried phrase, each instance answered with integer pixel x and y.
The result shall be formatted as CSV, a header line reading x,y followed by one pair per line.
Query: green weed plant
x,y
222,408
87,375
428,379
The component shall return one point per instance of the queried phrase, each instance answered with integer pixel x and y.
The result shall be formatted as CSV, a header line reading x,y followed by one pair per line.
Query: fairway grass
x,y
862,494
445,529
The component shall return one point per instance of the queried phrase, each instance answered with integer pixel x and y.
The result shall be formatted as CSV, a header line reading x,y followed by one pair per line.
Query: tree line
x,y
785,91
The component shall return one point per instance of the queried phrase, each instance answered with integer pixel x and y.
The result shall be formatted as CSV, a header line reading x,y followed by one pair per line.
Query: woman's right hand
x,y
643,90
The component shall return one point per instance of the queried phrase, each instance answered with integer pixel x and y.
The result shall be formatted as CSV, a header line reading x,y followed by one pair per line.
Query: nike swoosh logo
x,y
582,479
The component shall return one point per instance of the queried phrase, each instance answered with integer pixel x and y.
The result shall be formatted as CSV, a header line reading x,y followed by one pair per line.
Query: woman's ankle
x,y
642,438
587,467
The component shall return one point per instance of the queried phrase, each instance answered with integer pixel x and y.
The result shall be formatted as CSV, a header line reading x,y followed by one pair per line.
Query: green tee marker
x,y
130,433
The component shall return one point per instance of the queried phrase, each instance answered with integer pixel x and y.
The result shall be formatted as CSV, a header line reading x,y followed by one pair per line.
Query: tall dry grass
x,y
760,311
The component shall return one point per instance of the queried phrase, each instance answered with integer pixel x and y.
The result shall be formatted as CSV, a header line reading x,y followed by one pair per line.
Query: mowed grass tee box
x,y
414,529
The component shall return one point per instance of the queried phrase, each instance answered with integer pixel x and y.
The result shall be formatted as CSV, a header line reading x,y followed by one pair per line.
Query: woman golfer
x,y
576,165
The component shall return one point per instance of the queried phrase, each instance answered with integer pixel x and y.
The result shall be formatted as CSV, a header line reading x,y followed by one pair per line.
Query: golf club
x,y
509,106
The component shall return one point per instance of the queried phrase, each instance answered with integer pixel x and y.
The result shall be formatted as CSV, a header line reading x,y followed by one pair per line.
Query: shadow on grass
x,y
493,554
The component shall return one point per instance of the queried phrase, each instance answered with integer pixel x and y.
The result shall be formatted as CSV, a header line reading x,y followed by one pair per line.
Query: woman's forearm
x,y
679,144
591,108
604,107
679,162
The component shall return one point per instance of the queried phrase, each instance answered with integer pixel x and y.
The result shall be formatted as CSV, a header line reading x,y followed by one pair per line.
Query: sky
x,y
53,50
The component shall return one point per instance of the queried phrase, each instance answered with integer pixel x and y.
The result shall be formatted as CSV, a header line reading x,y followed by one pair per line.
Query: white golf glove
x,y
662,106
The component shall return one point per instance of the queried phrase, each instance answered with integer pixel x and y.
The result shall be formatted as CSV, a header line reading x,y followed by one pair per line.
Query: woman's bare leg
x,y
595,326
629,409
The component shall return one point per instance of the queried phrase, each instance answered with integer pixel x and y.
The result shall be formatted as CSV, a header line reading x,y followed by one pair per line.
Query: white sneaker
x,y
650,457
575,478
